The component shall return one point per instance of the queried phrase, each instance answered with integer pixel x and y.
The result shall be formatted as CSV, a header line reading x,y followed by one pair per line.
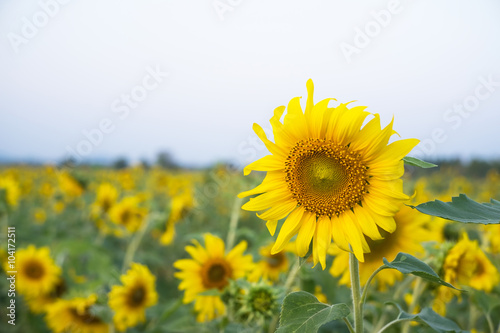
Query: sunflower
x,y
69,185
37,273
40,303
128,214
270,267
465,264
75,316
180,205
407,238
210,268
12,190
329,177
131,300
105,199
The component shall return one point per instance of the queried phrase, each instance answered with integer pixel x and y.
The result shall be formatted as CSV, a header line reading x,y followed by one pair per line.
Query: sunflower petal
x,y
288,230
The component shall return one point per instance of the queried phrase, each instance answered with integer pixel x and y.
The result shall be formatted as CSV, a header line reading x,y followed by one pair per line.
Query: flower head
x,y
210,268
329,177
75,315
37,273
131,300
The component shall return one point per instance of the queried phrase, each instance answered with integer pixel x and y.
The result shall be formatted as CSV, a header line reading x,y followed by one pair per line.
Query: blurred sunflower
x,y
330,177
210,268
407,238
271,265
465,265
129,302
37,273
69,185
75,316
128,214
12,190
40,303
179,207
106,197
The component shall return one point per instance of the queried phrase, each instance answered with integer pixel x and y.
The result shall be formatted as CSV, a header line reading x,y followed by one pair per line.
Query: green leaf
x,y
302,312
431,318
408,264
418,163
486,302
463,209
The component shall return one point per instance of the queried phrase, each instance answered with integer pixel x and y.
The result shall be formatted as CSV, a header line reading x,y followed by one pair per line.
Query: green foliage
x,y
431,318
418,163
463,209
302,312
408,264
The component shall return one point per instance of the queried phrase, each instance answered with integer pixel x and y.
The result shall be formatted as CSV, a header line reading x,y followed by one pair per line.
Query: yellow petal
x,y
306,233
288,230
271,226
322,240
266,163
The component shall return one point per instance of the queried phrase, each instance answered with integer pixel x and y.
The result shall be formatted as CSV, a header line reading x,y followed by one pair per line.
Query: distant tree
x,y
120,163
166,161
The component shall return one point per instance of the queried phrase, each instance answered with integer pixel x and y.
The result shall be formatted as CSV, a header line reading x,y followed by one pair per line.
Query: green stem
x,y
365,289
420,286
349,326
134,244
490,323
167,313
356,293
392,323
233,223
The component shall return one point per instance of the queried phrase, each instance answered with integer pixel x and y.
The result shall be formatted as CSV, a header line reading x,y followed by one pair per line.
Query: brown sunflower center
x,y
136,296
216,273
325,178
86,317
34,270
125,216
276,260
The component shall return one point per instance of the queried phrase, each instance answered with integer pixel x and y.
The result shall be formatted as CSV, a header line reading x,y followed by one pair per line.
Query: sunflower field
x,y
349,236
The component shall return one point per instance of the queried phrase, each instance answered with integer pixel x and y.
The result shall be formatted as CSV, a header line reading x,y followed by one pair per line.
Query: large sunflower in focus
x,y
330,177
131,300
210,268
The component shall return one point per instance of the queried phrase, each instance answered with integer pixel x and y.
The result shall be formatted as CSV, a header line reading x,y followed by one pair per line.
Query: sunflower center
x,y
325,178
136,296
275,260
34,270
216,273
125,216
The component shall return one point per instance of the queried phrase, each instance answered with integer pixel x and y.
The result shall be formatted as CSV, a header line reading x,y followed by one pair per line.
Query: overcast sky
x,y
89,78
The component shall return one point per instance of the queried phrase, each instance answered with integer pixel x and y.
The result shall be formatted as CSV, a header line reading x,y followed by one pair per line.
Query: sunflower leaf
x,y
418,163
463,209
303,313
431,318
408,264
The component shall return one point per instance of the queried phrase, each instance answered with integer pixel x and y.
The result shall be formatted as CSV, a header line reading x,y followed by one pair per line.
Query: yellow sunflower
x,y
407,238
465,265
75,316
12,190
105,199
210,268
270,267
329,177
40,303
129,302
37,273
127,213
69,185
180,205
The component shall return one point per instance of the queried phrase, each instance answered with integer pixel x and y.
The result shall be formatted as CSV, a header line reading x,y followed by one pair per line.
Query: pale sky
x,y
99,67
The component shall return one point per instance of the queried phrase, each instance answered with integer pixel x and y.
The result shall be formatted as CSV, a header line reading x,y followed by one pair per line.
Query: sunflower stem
x,y
420,286
365,289
134,244
349,326
233,223
356,293
392,323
